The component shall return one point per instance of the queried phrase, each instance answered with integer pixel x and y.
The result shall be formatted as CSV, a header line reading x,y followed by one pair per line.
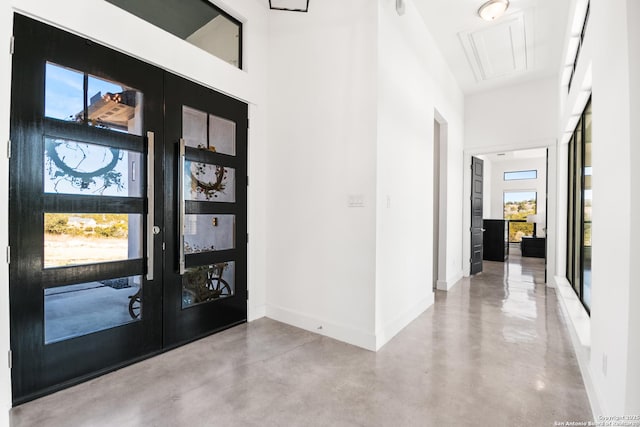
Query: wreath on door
x,y
209,189
59,170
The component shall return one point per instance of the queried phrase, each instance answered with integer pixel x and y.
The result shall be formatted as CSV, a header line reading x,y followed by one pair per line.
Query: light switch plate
x,y
355,201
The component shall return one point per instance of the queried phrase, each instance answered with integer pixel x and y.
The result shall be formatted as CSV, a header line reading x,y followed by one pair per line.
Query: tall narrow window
x,y
579,209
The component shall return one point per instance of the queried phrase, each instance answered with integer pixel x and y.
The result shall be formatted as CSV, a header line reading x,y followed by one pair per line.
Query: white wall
x,y
144,41
608,65
413,82
632,405
322,133
511,118
613,275
514,117
499,186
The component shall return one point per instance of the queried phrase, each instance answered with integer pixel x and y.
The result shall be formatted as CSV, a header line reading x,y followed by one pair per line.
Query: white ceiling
x,y
525,44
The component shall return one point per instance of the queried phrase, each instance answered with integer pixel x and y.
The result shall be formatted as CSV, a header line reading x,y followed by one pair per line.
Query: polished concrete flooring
x,y
493,351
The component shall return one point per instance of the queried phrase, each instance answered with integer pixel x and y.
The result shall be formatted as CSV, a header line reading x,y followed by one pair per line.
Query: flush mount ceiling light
x,y
289,5
493,9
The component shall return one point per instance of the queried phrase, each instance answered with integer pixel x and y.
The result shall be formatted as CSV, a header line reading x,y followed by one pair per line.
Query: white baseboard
x,y
392,328
336,331
255,313
579,325
445,285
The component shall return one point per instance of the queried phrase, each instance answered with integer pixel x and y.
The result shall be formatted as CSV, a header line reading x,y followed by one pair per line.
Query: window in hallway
x,y
518,206
579,209
517,175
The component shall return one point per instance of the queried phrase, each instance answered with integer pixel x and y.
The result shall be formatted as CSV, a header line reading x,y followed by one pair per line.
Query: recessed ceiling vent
x,y
498,50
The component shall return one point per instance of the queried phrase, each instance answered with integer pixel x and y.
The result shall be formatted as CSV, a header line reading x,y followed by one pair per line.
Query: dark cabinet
x,y
533,246
495,240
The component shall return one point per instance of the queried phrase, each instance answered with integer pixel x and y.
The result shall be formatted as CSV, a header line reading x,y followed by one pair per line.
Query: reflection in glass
x,y
114,106
205,233
110,105
64,93
208,283
79,168
80,309
222,135
210,183
84,238
587,199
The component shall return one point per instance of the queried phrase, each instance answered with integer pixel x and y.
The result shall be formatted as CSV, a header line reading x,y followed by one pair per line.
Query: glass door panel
x,y
206,132
82,160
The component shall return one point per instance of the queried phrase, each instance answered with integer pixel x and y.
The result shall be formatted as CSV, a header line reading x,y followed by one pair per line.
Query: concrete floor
x,y
493,351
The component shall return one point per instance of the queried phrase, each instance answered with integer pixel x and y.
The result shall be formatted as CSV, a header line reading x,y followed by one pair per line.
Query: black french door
x,y
122,243
206,137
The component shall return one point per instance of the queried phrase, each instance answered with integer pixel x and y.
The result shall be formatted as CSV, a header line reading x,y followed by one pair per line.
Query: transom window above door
x,y
197,21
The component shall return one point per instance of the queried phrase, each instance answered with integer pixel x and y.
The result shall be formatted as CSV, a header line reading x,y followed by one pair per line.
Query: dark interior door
x,y
476,215
103,204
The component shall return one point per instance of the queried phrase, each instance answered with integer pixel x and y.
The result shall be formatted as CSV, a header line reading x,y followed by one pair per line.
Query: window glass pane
x,y
64,93
72,167
222,135
80,309
210,183
198,22
84,238
570,215
194,128
587,199
520,207
205,233
577,249
208,283
511,176
114,106
519,204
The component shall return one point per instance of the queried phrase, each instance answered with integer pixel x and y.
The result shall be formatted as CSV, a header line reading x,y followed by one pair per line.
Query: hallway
x,y
493,351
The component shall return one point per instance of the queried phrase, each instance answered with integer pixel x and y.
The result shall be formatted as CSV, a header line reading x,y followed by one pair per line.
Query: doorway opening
x,y
514,204
439,261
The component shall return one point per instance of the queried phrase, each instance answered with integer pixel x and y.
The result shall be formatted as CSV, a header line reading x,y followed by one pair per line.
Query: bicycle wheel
x,y
135,305
219,288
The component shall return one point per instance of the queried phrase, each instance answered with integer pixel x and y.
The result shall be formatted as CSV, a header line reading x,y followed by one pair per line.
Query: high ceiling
x,y
524,44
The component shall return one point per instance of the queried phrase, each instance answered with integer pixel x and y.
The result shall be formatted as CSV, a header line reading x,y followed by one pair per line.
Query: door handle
x,y
151,229
483,229
181,206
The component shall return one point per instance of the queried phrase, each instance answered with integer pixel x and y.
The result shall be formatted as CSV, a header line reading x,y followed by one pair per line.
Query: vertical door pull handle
x,y
181,207
150,202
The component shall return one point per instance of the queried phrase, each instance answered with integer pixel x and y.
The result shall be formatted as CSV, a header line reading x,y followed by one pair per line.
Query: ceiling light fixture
x,y
493,9
289,5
